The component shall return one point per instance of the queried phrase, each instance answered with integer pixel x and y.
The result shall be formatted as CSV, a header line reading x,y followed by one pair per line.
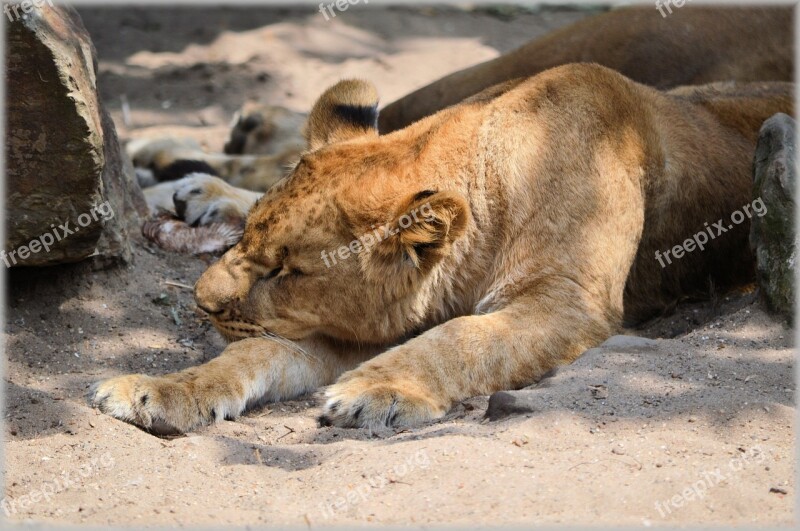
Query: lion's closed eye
x,y
290,273
272,273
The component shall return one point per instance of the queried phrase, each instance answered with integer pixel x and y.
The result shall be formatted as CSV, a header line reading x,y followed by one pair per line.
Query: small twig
x,y
587,463
178,285
175,317
291,430
258,456
638,465
259,437
126,110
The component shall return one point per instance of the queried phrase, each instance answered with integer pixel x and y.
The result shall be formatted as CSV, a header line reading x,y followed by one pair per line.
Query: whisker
x,y
285,343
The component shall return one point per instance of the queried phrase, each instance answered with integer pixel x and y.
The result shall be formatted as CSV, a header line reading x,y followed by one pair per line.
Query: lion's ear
x,y
424,231
346,110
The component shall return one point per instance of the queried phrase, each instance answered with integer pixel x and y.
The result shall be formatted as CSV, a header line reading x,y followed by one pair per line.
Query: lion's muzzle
x,y
217,289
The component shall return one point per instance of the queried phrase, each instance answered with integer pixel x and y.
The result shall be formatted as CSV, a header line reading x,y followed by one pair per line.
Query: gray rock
x,y
63,157
629,342
772,234
560,388
507,403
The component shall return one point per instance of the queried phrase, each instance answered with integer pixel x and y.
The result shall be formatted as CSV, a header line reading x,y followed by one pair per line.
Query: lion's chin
x,y
232,338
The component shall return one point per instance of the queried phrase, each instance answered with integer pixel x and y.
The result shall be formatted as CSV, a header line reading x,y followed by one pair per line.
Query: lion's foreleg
x,y
470,356
248,372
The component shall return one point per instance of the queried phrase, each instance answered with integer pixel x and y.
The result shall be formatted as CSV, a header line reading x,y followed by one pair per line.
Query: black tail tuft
x,y
181,168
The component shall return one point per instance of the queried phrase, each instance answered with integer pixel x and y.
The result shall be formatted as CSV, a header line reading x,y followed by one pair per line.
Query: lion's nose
x,y
209,310
180,206
215,290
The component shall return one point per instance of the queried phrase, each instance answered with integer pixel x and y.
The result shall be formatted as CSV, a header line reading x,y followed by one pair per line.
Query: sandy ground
x,y
694,427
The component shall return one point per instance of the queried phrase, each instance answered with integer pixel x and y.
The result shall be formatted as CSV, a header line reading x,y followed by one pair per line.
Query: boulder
x,y
70,194
629,342
772,233
504,404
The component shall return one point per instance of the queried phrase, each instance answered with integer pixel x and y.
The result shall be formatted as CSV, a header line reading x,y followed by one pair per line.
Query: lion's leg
x,y
203,200
469,356
248,372
251,172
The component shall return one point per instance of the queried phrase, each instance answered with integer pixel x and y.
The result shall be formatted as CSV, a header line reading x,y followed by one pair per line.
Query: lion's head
x,y
349,246
264,130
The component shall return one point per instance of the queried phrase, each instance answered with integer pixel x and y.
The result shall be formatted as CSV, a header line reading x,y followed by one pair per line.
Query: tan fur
x,y
323,120
693,45
251,172
265,141
203,200
143,151
539,206
326,126
265,130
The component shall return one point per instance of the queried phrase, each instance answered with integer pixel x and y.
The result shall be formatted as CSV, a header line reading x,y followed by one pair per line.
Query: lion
x,y
690,46
200,199
265,140
694,45
471,252
265,130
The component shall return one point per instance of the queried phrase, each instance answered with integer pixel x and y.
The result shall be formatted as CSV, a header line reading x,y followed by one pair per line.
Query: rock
x,y
561,383
599,391
70,195
506,403
628,342
772,233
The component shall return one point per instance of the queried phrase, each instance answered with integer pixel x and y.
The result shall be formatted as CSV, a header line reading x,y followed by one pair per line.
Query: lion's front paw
x,y
158,405
364,402
204,199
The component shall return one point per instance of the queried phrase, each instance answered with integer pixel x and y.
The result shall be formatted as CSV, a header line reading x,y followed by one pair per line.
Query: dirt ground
x,y
696,427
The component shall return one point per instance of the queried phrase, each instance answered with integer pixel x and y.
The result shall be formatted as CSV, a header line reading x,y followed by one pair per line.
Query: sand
x,y
696,427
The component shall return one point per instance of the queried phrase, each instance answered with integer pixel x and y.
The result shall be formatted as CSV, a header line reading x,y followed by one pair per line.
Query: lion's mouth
x,y
236,330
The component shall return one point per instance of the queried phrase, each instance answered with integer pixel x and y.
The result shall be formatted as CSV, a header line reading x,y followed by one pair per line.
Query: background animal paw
x,y
204,199
361,402
175,235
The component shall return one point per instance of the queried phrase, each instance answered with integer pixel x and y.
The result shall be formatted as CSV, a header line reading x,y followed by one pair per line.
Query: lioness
x,y
691,46
264,140
468,253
